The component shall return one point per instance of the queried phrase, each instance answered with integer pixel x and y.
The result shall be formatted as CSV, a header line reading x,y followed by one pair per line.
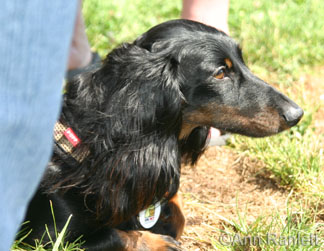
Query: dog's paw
x,y
157,242
173,245
147,241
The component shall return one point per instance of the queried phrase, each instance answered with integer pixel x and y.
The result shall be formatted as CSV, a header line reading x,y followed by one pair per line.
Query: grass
x,y
281,36
282,41
110,23
57,244
274,232
294,157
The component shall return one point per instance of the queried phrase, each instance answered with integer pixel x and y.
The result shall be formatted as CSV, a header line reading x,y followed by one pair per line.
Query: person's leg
x,y
210,12
81,58
34,41
80,50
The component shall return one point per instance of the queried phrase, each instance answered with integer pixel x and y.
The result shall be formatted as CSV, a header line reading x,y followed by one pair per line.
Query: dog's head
x,y
218,88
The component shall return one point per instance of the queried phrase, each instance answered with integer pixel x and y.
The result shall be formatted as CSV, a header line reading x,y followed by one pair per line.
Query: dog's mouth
x,y
261,124
228,120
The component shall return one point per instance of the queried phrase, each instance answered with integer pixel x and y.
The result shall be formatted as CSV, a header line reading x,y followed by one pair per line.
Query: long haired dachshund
x,y
126,127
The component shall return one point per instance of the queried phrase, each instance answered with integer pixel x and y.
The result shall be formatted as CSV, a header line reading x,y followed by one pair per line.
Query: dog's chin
x,y
250,133
254,131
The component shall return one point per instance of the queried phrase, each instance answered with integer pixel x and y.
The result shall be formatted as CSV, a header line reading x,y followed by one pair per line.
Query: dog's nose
x,y
292,115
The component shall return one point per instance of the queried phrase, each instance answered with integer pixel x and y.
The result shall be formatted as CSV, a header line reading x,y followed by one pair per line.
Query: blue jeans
x,y
34,42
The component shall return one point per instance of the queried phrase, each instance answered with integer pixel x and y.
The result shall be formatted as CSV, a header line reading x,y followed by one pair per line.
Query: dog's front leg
x,y
144,240
117,240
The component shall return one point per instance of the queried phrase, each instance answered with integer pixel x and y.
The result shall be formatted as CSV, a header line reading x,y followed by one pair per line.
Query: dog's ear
x,y
143,122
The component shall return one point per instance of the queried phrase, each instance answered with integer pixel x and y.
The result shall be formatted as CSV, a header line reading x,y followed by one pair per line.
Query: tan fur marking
x,y
229,63
264,122
154,242
144,240
186,130
194,119
177,214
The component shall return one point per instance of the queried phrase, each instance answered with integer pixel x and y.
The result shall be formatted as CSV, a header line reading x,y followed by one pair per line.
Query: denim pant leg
x,y
34,42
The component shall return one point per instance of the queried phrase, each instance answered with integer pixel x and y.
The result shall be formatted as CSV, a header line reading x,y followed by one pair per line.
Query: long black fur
x,y
130,129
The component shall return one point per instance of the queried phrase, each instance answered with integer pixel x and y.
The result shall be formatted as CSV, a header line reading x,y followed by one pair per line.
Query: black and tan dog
x,y
128,125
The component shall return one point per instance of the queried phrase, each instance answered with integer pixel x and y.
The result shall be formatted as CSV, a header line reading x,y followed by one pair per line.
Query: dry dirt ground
x,y
224,183
220,185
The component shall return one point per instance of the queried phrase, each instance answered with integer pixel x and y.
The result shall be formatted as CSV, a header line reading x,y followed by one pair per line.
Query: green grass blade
x,y
60,238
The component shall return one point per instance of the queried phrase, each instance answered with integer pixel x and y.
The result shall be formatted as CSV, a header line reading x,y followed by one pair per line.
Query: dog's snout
x,y
292,115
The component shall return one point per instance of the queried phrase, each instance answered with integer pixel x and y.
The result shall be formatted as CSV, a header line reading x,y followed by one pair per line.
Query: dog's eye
x,y
220,74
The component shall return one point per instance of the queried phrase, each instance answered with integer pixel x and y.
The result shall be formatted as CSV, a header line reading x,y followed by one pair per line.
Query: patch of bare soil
x,y
222,184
